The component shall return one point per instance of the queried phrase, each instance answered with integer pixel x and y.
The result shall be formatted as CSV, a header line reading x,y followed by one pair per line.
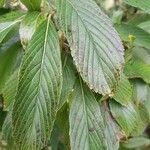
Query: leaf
x,y
86,122
141,97
142,54
54,142
62,121
145,26
135,68
117,16
8,21
9,56
39,88
137,142
126,116
32,4
7,128
144,4
95,45
138,18
69,78
11,38
142,38
28,26
123,92
9,92
10,89
139,65
112,130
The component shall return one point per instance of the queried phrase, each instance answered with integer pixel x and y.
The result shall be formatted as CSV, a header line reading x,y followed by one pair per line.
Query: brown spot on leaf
x,y
92,129
120,135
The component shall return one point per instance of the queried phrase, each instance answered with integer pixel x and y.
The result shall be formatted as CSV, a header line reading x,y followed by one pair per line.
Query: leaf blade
x,y
123,92
39,89
10,89
8,21
141,97
69,77
86,122
113,131
90,46
127,117
9,55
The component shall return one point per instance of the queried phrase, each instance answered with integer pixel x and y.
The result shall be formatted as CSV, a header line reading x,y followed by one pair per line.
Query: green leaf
x,y
32,4
9,55
69,77
142,4
7,128
112,130
54,141
63,122
8,21
9,92
141,97
142,54
117,16
39,88
126,116
10,89
11,38
86,122
138,18
28,26
145,26
123,93
95,45
142,38
137,142
137,67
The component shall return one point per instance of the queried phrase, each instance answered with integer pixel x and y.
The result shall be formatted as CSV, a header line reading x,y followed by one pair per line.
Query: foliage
x,y
73,78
